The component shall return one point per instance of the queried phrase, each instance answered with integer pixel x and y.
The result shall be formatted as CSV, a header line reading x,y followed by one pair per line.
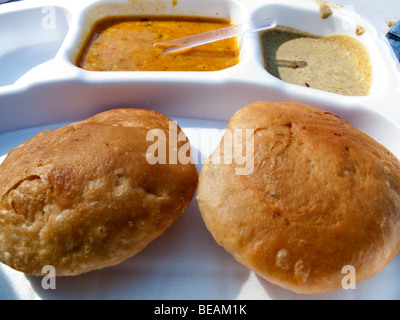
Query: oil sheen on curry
x,y
127,44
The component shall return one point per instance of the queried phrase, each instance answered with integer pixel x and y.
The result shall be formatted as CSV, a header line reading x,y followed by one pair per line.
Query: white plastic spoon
x,y
216,35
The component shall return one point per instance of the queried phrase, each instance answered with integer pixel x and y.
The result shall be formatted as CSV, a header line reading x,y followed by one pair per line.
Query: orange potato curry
x,y
127,44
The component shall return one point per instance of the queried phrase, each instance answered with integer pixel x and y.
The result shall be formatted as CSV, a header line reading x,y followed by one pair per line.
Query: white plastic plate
x,y
41,88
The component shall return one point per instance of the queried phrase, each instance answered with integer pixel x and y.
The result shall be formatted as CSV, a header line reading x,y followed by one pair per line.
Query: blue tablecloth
x,y
394,38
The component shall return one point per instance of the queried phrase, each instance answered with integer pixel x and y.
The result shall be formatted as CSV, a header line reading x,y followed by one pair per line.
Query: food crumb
x,y
390,23
359,30
325,8
325,11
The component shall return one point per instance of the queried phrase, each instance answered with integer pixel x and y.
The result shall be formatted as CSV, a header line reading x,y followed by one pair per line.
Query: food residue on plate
x,y
360,30
325,8
127,44
336,63
390,23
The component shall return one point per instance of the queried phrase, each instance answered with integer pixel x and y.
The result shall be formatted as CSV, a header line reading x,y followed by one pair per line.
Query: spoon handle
x,y
216,35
